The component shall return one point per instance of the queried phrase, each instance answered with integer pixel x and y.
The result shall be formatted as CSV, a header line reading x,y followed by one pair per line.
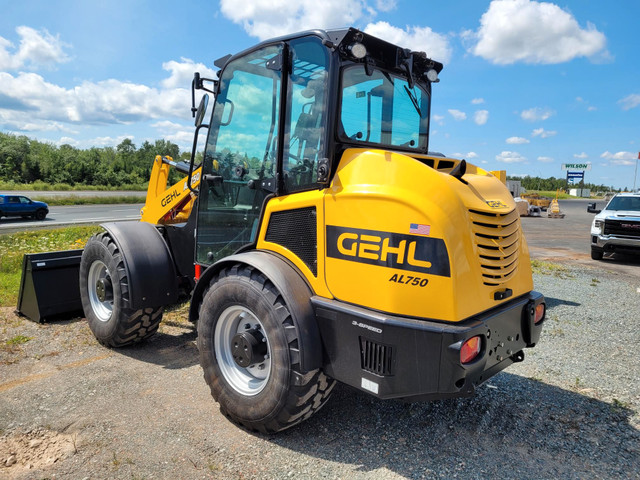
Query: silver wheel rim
x,y
246,381
103,310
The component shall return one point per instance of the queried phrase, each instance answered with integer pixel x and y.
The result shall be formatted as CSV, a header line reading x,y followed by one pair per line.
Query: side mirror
x,y
591,208
202,109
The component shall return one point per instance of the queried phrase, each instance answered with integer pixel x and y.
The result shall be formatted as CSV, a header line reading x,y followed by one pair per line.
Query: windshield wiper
x,y
414,100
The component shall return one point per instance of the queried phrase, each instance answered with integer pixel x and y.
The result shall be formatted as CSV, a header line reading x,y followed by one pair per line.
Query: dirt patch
x,y
35,449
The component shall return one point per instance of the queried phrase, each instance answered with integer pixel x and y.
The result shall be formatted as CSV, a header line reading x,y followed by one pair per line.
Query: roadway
x,y
567,239
73,215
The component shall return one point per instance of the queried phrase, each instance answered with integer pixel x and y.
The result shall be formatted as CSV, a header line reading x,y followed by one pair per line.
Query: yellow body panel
x,y
313,198
168,205
398,236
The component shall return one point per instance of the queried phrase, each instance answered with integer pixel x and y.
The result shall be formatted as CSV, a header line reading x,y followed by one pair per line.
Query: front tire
x,y
104,291
41,214
596,253
249,352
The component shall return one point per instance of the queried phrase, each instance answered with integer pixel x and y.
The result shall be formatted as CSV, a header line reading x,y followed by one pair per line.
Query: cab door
x,y
241,154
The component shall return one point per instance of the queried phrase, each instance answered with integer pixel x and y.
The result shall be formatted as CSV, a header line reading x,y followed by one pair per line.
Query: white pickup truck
x,y
617,227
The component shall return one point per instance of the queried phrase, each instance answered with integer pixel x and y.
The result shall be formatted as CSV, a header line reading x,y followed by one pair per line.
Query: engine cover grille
x,y
497,237
296,231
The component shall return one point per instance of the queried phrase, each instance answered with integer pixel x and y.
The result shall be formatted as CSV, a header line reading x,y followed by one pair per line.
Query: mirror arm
x,y
198,84
193,157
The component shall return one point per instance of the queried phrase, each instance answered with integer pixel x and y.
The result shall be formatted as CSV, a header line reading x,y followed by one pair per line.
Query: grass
x,y
14,246
18,340
76,200
551,194
39,186
549,268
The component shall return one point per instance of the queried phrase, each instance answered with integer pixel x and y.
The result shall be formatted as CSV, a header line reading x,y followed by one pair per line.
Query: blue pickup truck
x,y
21,206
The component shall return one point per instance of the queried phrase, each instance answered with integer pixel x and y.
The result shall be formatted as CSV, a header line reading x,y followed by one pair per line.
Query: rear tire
x,y
596,253
264,390
40,214
104,291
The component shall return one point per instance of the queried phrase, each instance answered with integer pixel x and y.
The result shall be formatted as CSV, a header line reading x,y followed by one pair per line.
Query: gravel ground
x,y
70,408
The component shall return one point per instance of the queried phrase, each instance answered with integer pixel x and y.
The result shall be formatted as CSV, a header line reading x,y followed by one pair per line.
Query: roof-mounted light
x,y
357,50
432,75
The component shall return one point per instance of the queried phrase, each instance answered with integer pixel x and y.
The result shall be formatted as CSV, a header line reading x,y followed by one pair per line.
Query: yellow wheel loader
x,y
325,243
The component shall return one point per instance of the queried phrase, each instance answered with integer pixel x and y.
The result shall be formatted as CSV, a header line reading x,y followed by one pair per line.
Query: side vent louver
x,y
376,357
497,237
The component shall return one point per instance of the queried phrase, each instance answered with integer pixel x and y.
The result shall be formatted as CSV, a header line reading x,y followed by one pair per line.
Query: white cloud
x,y
416,38
174,132
510,157
580,155
107,141
40,105
533,32
516,140
545,159
467,156
457,114
630,101
620,158
385,5
37,49
477,101
536,114
271,18
542,133
438,119
182,73
481,117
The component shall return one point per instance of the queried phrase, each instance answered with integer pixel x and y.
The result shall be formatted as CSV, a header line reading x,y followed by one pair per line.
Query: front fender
x,y
153,281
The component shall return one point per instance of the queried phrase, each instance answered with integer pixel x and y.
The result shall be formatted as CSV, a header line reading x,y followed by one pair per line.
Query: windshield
x,y
381,108
624,203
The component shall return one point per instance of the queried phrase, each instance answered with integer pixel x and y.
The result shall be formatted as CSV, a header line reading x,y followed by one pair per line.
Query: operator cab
x,y
287,109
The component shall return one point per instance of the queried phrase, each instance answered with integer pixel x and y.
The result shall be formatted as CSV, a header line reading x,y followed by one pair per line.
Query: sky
x,y
527,86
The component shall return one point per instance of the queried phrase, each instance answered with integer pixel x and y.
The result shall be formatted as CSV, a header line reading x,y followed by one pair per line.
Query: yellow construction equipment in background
x,y
169,205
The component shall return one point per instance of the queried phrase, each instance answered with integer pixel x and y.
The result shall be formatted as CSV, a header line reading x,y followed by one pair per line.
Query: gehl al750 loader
x,y
326,243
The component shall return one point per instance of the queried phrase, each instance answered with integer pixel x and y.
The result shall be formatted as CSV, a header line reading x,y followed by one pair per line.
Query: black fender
x,y
153,280
292,286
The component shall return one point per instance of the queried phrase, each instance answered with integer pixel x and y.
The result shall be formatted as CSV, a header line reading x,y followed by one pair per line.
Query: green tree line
x,y
24,160
553,183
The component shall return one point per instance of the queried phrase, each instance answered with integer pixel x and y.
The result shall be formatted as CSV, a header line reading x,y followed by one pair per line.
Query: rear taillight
x,y
470,349
539,313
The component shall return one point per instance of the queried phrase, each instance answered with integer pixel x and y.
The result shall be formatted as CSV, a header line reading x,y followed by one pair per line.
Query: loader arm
x,y
168,205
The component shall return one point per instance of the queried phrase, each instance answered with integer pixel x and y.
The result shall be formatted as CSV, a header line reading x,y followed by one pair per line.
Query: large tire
x,y
104,291
41,214
596,253
269,393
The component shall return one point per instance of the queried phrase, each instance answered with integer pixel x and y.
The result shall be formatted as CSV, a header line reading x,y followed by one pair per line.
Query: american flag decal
x,y
419,228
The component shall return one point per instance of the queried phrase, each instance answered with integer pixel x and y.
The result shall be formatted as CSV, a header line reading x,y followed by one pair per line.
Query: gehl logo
x,y
393,250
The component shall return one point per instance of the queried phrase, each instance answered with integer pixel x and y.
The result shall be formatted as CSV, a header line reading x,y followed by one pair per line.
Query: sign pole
x,y
635,173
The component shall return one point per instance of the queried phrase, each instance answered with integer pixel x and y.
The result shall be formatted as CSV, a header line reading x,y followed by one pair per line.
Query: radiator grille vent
x,y
376,357
497,237
296,231
626,228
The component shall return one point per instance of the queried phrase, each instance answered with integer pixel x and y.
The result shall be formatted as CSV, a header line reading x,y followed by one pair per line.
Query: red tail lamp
x,y
470,349
539,313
